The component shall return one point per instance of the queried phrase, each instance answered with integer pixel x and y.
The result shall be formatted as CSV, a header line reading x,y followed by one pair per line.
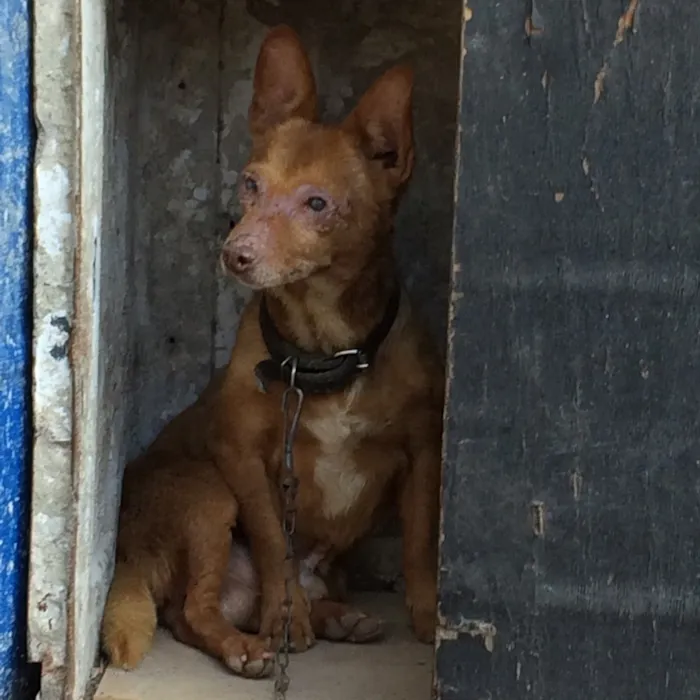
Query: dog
x,y
176,559
315,242
329,332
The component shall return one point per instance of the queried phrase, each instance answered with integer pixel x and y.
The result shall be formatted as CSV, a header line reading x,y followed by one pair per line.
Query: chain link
x,y
292,400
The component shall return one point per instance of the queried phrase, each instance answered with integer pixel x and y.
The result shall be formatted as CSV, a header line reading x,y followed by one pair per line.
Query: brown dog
x,y
175,556
316,238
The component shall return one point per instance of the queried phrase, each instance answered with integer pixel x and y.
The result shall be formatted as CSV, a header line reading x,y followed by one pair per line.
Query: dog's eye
x,y
250,185
316,203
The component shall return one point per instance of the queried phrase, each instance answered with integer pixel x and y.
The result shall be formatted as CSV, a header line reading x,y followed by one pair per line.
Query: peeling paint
x,y
626,22
624,25
52,376
79,349
53,216
483,630
599,83
478,629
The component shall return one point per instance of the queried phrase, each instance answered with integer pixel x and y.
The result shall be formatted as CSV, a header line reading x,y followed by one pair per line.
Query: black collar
x,y
315,373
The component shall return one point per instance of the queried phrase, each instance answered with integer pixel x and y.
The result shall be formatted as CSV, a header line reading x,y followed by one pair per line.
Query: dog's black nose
x,y
238,258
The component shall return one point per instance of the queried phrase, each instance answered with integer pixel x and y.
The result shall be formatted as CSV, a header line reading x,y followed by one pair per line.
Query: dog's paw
x,y
421,599
248,656
126,651
127,639
424,621
354,627
274,617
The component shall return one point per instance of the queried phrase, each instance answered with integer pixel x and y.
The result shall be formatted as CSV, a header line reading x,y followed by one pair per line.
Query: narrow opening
x,y
182,76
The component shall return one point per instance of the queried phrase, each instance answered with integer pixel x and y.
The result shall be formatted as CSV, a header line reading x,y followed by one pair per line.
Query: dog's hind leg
x,y
208,551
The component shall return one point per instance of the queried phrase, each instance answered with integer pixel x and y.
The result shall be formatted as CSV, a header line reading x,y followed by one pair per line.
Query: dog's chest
x,y
338,430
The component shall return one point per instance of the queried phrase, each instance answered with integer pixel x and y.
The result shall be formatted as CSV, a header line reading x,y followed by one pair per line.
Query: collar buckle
x,y
313,372
361,359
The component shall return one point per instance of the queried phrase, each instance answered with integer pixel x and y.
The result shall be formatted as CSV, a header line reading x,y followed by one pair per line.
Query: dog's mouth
x,y
247,279
259,277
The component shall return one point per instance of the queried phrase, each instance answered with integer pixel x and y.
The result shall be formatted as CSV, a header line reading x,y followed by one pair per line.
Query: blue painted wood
x,y
16,141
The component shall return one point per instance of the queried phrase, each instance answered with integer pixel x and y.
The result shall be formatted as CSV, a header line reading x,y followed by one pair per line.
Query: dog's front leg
x,y
420,506
268,548
259,514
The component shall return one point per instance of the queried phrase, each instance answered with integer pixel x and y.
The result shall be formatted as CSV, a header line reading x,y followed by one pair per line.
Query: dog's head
x,y
317,197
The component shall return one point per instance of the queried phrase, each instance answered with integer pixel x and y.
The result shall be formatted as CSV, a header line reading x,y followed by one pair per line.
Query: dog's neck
x,y
334,309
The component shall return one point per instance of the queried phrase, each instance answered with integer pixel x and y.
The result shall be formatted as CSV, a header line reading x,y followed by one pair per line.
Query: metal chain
x,y
292,400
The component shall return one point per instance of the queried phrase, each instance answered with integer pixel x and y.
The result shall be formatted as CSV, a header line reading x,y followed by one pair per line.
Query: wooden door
x,y
570,564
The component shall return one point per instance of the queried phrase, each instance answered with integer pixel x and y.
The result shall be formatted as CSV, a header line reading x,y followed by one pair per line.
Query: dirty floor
x,y
397,669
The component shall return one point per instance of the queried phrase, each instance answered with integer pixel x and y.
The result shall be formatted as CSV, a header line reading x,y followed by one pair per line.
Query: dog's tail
x,y
130,617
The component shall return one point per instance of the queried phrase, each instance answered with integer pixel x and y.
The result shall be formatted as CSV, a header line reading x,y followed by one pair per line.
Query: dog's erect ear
x,y
284,85
383,120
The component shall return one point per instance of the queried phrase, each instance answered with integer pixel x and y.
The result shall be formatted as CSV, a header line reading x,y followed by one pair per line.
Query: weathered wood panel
x,y
100,344
83,67
573,436
55,178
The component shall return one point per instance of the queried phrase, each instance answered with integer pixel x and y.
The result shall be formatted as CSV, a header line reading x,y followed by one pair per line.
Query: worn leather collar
x,y
316,373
